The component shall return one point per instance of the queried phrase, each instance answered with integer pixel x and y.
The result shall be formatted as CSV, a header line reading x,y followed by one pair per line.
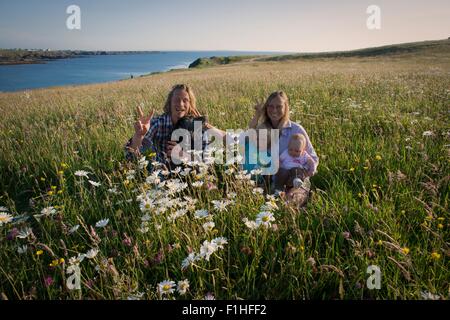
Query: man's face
x,y
179,104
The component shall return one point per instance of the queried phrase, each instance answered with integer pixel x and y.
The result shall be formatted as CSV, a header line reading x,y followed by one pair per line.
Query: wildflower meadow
x,y
77,221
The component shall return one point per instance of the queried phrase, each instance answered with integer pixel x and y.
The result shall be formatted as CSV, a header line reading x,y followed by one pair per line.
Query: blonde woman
x,y
274,114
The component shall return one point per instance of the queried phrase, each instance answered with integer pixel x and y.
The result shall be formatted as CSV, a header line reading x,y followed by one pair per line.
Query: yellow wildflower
x,y
435,256
405,250
378,157
39,252
440,226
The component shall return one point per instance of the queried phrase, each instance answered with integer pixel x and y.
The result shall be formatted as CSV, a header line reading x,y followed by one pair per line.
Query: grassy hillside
x,y
425,48
380,126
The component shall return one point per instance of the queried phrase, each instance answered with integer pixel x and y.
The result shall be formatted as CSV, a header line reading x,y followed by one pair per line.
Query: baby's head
x,y
297,145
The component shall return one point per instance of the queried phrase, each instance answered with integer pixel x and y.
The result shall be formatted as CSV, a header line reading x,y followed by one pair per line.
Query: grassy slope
x,y
439,47
353,109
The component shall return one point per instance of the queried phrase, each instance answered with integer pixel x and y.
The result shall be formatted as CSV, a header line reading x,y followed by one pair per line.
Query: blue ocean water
x,y
97,69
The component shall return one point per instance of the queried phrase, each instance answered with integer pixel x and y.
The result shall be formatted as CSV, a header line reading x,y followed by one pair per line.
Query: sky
x,y
247,25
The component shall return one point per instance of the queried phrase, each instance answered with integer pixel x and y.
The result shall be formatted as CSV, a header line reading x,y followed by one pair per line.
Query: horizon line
x,y
229,50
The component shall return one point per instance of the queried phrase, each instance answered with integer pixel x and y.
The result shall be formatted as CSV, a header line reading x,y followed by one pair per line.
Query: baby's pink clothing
x,y
288,162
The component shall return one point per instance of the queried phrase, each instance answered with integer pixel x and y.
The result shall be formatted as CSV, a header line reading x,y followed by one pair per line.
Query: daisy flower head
x,y
265,218
183,286
166,287
91,254
5,218
189,260
220,205
95,184
209,226
82,173
220,242
200,214
207,249
252,225
102,223
74,229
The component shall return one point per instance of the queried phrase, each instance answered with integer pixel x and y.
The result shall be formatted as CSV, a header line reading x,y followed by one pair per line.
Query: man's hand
x,y
142,124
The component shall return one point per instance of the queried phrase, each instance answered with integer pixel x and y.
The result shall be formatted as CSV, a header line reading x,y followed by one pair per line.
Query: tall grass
x,y
380,197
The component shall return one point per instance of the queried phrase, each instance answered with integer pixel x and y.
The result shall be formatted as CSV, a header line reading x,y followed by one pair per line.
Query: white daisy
x,y
189,260
113,190
269,206
77,260
48,211
135,296
256,172
91,254
200,214
207,249
3,209
258,191
142,163
252,225
265,218
22,249
24,233
5,218
429,296
209,226
146,205
74,229
95,184
197,184
220,242
427,133
166,287
183,286
82,173
145,218
102,223
220,205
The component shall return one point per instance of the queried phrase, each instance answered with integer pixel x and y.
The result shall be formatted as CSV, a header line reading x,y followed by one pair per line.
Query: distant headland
x,y
31,56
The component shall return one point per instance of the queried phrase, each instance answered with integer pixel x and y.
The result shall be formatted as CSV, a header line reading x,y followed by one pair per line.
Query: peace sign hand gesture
x,y
142,124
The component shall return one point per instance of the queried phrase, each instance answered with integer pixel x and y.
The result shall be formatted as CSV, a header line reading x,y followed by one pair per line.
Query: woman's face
x,y
276,109
179,105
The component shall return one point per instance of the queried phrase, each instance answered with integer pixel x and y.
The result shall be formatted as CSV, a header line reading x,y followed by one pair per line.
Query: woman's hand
x,y
259,111
142,124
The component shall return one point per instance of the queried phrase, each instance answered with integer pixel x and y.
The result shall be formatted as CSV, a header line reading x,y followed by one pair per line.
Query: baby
x,y
295,162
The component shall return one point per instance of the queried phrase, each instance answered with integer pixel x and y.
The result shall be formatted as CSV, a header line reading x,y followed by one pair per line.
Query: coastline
x,y
17,57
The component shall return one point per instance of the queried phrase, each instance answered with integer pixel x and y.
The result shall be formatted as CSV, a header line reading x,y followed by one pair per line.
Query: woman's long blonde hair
x,y
193,102
266,123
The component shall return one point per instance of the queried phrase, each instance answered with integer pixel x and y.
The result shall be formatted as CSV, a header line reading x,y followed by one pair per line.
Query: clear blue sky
x,y
260,25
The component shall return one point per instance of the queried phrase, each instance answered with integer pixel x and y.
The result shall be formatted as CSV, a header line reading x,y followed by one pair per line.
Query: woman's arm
x,y
259,111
